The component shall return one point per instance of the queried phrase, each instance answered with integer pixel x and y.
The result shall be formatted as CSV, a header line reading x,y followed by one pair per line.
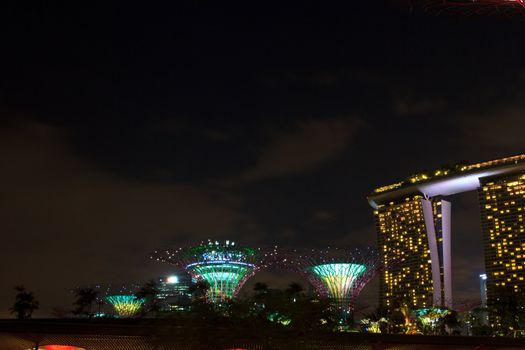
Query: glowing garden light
x,y
336,274
125,305
431,318
225,266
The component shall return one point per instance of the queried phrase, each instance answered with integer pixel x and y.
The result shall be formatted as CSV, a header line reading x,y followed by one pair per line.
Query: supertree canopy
x,y
120,297
225,266
474,7
336,274
125,305
339,278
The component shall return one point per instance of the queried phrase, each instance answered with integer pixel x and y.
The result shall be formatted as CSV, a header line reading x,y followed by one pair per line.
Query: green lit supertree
x,y
225,266
336,274
120,298
125,306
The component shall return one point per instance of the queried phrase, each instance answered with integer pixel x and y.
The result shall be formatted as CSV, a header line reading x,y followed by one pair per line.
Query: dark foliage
x,y
25,303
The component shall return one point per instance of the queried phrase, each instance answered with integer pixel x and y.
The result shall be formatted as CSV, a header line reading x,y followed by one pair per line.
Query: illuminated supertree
x,y
225,266
121,298
474,7
125,306
336,274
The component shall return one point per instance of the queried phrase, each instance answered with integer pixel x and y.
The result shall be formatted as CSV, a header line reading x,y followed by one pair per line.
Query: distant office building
x,y
411,235
174,291
413,227
483,314
483,289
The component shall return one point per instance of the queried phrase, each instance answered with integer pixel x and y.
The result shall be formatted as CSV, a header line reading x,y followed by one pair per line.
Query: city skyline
x,y
128,128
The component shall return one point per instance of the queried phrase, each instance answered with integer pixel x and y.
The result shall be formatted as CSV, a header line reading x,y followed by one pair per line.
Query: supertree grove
x,y
225,266
474,7
336,274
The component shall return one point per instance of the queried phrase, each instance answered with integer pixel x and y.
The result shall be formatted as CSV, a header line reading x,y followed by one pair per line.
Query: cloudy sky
x,y
128,128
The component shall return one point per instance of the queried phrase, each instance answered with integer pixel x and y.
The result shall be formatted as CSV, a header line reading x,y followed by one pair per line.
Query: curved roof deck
x,y
447,182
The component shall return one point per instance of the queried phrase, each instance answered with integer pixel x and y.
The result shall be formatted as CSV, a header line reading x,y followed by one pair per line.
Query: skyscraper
x,y
502,202
414,237
414,229
483,289
174,291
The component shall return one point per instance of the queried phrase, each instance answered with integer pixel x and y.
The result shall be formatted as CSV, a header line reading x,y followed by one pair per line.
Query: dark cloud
x,y
497,128
70,221
322,215
411,106
305,147
65,221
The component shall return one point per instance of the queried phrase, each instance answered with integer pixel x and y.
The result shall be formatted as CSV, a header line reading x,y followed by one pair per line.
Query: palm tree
x,y
25,303
84,302
149,292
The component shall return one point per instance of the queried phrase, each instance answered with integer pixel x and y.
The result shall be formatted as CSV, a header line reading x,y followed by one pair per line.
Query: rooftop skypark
x,y
447,180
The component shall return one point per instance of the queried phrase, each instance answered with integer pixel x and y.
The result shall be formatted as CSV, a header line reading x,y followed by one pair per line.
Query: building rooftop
x,y
445,181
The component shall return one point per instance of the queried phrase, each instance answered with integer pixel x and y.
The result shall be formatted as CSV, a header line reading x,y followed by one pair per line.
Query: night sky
x,y
126,128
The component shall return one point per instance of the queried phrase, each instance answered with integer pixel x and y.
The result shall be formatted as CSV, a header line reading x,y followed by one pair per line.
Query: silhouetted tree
x,y
295,291
453,323
401,319
25,303
478,321
149,292
310,314
198,290
260,289
85,297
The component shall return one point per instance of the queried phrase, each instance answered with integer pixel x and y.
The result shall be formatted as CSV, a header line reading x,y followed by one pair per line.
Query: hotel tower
x,y
414,231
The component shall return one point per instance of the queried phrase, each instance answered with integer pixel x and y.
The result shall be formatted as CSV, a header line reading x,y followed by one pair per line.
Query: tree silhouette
x,y
25,303
84,302
198,290
295,291
149,292
260,288
260,291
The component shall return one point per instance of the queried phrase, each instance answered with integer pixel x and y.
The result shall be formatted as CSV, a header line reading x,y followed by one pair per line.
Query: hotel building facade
x,y
502,203
414,231
411,235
